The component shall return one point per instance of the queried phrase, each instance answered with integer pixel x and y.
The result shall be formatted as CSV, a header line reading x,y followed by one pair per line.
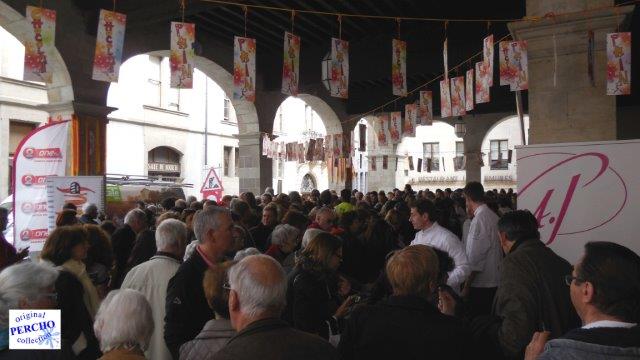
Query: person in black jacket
x,y
187,309
123,240
406,325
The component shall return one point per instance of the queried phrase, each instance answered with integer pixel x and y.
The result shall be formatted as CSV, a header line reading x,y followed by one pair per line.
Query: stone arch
x,y
329,117
60,90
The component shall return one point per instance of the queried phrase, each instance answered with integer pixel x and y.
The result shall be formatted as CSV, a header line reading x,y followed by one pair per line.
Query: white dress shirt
x,y
609,324
483,248
442,239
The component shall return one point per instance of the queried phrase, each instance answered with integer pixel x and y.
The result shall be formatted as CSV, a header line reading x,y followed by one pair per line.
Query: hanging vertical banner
x,y
507,69
244,68
109,41
383,129
468,93
445,58
445,99
488,57
337,145
385,162
394,126
457,96
410,158
399,67
328,146
291,64
419,165
182,57
265,144
346,145
514,65
482,83
591,53
318,151
410,120
372,161
619,63
362,146
301,153
425,108
39,44
339,68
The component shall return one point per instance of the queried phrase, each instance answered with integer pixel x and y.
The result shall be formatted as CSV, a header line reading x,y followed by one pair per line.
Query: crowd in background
x,y
401,274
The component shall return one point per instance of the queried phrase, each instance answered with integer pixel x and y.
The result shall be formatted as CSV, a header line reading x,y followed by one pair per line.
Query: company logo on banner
x,y
41,154
77,190
581,193
34,330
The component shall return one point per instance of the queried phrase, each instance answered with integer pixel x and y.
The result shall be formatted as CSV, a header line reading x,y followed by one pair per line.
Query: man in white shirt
x,y
483,251
430,233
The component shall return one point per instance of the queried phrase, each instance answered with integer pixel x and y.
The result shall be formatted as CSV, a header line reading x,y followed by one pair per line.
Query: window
x,y
459,148
171,97
431,151
164,163
308,117
499,155
155,81
236,162
458,161
227,107
227,160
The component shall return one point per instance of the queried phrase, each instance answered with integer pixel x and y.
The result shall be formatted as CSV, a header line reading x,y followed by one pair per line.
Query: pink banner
x,y
39,44
394,126
383,129
445,99
488,57
482,83
619,63
337,145
399,67
425,108
244,68
468,101
339,68
410,120
457,96
291,64
109,41
182,57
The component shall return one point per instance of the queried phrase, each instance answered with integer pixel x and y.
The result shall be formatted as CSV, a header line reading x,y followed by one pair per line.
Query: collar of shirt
x,y
430,229
479,209
609,324
204,257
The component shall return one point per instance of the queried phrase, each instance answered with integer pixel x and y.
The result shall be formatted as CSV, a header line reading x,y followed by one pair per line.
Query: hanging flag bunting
x,y
619,63
457,96
265,144
109,41
383,129
291,64
482,83
347,141
468,93
301,153
410,163
337,145
394,126
39,44
488,57
385,162
318,150
372,161
328,144
591,52
362,146
507,70
514,65
410,120
445,99
182,56
445,58
339,68
244,68
419,165
399,67
429,164
425,108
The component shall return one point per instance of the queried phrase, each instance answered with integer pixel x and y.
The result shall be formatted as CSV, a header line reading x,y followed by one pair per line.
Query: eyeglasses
x,y
568,279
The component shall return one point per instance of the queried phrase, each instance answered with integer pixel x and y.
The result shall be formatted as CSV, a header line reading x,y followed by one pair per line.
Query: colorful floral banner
x,y
39,44
291,64
425,108
468,101
182,56
457,96
445,99
445,58
372,161
619,63
337,145
488,57
394,126
383,129
482,83
410,120
109,41
318,150
385,162
328,143
399,67
347,142
514,65
244,68
339,68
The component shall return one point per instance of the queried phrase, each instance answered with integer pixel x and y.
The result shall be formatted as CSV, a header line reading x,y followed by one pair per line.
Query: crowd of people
x,y
380,275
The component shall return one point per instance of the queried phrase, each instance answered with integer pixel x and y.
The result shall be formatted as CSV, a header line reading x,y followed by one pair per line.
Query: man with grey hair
x,y
152,277
89,213
123,240
256,300
187,309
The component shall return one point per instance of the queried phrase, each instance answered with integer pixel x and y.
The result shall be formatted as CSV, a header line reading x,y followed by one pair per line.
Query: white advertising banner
x,y
78,190
582,192
40,154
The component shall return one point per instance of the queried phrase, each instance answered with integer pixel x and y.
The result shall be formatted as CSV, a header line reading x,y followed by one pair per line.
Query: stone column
x,y
249,172
573,109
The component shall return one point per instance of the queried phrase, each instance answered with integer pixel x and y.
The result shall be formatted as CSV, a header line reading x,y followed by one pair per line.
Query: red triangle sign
x,y
212,185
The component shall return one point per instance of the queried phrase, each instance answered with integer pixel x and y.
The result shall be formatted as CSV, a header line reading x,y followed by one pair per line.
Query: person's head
x,y
4,218
124,320
66,218
240,239
309,234
137,220
168,215
295,197
208,204
354,221
266,198
180,204
326,198
90,210
167,204
269,190
70,206
359,196
215,285
26,285
213,228
445,265
66,243
519,225
258,290
297,219
474,196
226,201
325,217
286,237
423,214
100,250
413,271
171,237
250,199
270,215
246,252
606,282
108,226
345,195
324,252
